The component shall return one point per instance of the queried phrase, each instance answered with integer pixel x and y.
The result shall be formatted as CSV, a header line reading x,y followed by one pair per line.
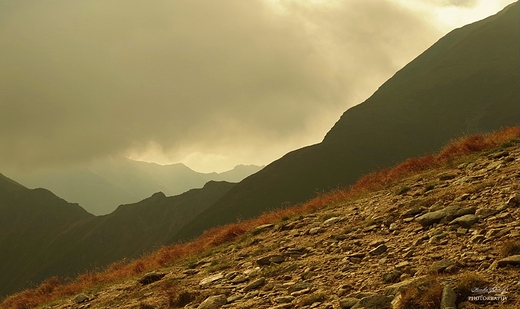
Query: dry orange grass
x,y
54,289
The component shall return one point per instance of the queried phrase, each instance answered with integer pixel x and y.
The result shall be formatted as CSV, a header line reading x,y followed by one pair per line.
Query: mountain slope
x,y
350,250
44,236
29,220
465,83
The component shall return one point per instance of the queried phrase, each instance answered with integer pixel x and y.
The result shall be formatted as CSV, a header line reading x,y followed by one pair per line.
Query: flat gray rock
x,y
465,221
213,302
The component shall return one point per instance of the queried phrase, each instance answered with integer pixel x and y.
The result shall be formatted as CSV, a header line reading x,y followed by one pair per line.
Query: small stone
x,y
431,218
255,284
81,298
209,280
150,278
378,250
402,265
393,289
393,227
239,279
284,299
449,298
411,212
440,266
213,302
483,213
315,230
301,292
510,260
347,303
391,276
373,302
298,286
308,274
268,260
477,239
461,231
513,201
465,221
331,221
262,228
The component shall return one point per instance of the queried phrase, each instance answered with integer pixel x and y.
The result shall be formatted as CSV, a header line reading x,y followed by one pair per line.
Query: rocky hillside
x,y
443,238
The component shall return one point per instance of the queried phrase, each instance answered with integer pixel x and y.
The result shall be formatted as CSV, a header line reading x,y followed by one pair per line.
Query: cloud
x,y
236,80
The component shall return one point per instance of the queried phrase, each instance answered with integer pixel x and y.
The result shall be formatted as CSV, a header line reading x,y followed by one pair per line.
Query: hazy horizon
x,y
209,85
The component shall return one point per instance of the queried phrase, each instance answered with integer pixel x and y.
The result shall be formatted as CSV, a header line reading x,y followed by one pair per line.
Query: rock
x,y
240,278
373,302
262,228
209,280
440,266
449,298
402,265
391,276
461,231
477,239
331,221
282,306
431,217
465,221
483,213
255,284
510,260
347,303
270,259
150,278
393,289
81,298
513,201
378,250
284,299
308,274
393,227
411,212
298,286
315,230
213,302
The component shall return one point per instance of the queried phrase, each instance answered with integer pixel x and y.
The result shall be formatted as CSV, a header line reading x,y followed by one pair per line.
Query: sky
x,y
211,84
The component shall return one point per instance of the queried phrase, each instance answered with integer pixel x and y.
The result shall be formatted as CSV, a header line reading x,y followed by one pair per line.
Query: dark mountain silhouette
x,y
102,185
43,235
466,83
30,220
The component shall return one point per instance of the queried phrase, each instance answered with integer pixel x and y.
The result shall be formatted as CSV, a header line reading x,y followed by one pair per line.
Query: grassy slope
x,y
464,84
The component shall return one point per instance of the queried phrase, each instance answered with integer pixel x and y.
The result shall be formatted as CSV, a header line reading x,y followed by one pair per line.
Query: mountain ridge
x,y
121,181
472,87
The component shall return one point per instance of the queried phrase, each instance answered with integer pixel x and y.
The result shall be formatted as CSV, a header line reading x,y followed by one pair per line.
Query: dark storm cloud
x,y
86,79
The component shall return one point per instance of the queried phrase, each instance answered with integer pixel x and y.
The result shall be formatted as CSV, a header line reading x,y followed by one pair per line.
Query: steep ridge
x,y
45,236
465,83
29,220
444,237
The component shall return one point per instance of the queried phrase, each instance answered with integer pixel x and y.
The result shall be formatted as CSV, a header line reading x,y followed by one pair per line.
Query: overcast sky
x,y
211,84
